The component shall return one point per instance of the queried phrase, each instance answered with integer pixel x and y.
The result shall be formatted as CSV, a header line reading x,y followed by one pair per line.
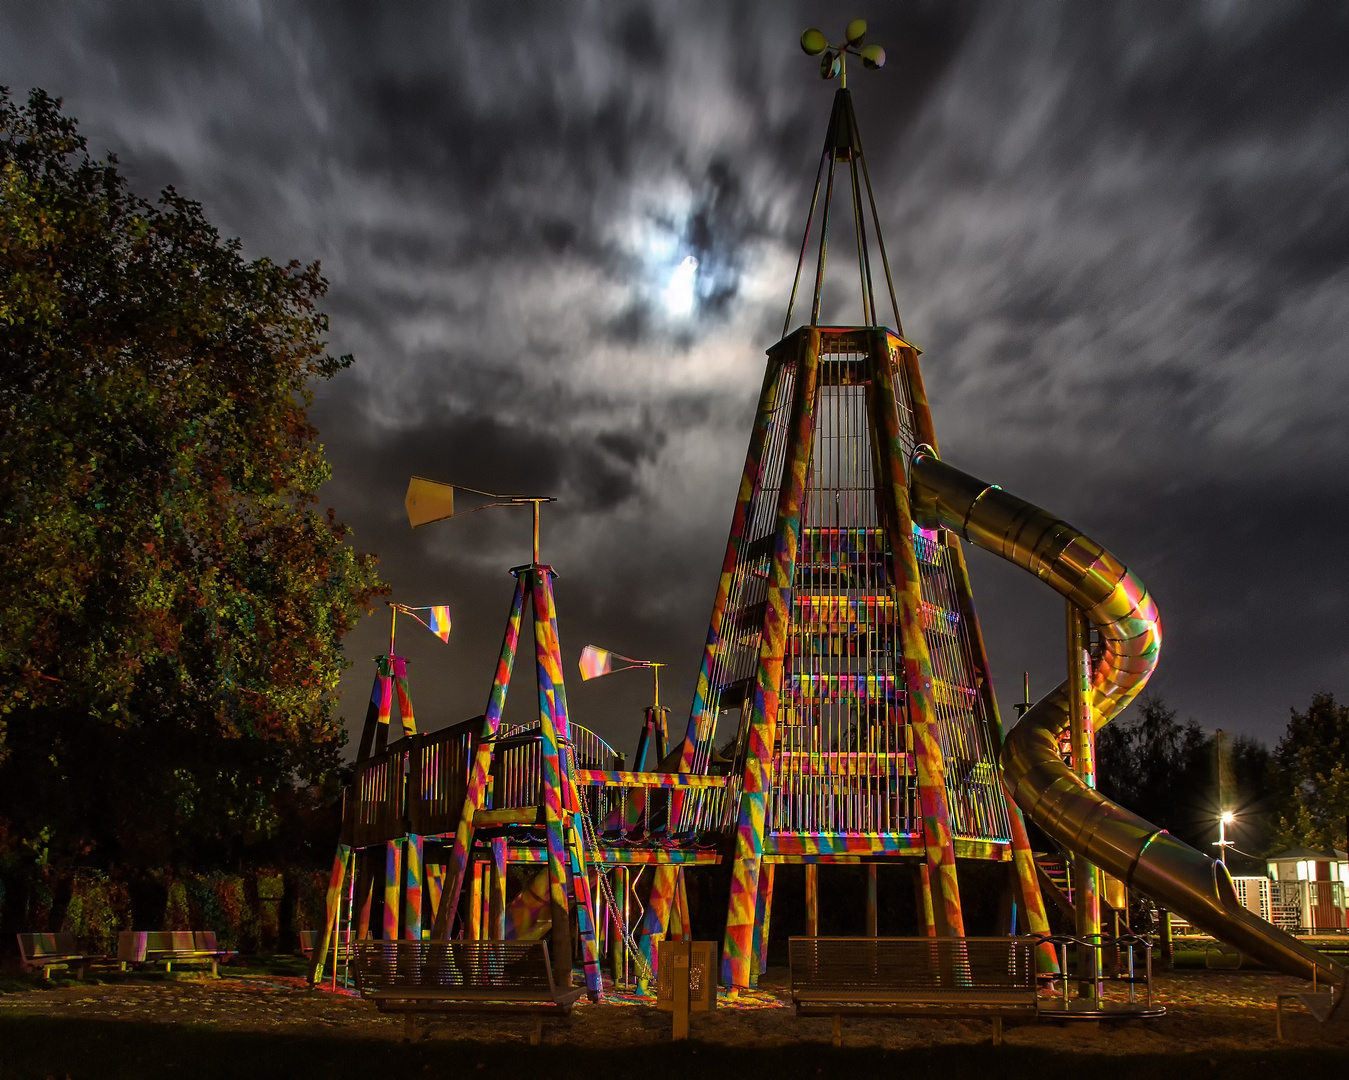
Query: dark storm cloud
x,y
1120,233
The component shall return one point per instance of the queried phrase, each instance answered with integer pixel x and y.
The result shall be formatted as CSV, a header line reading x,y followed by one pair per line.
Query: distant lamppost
x,y
1222,843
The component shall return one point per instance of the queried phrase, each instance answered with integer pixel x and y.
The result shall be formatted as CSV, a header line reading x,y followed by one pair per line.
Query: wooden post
x,y
475,903
619,947
812,899
763,919
682,952
686,927
337,883
435,886
871,900
497,901
364,896
393,887
601,909
923,887
414,876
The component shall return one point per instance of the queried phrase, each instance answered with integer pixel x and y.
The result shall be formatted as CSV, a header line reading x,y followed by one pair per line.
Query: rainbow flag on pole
x,y
438,621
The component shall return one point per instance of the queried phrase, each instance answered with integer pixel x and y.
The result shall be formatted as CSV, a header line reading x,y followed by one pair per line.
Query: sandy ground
x,y
1206,1010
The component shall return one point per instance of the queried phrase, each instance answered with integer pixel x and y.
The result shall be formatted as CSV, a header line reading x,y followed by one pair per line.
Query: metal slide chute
x,y
1146,858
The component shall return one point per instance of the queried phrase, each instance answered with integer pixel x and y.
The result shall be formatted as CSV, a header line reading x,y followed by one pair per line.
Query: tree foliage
x,y
1312,770
168,592
1166,771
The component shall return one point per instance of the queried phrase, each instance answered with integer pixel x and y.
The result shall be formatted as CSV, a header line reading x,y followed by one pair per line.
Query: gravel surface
x,y
1206,1011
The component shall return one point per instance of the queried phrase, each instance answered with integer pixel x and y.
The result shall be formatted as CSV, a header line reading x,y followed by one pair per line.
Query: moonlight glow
x,y
679,292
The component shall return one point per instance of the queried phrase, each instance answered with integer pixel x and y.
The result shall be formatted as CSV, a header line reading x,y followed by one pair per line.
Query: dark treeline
x,y
1295,793
172,598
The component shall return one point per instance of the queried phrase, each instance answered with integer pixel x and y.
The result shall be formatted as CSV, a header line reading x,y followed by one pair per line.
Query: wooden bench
x,y
421,978
169,947
309,939
46,952
982,978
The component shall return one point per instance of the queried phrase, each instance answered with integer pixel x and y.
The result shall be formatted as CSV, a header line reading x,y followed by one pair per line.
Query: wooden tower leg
x,y
929,763
457,864
414,875
496,907
585,903
923,888
763,917
336,883
758,775
393,887
364,897
566,861
474,932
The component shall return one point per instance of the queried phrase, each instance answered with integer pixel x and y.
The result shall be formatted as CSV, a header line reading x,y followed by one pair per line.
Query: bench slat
x,y
411,976
832,975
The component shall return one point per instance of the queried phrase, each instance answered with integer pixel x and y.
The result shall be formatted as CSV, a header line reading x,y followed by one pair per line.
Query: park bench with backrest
x,y
421,978
49,952
982,978
169,947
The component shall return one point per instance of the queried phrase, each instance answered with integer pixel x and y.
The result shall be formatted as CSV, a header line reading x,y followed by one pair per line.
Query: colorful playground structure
x,y
844,710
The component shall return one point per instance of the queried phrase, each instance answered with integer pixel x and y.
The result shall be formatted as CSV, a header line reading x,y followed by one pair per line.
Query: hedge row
x,y
258,912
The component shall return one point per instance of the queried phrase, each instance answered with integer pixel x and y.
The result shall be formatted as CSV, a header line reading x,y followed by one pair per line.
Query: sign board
x,y
692,964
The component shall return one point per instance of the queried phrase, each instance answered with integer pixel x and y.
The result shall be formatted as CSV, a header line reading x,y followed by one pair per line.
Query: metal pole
x,y
1086,877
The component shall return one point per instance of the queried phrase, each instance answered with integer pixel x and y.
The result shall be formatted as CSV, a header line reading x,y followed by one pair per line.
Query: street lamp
x,y
1224,819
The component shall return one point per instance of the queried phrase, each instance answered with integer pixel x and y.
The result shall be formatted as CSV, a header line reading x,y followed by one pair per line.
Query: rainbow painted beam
x,y
614,778
788,846
625,856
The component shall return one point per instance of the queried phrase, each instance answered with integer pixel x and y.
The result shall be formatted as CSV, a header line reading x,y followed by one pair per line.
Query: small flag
x,y
440,623
595,662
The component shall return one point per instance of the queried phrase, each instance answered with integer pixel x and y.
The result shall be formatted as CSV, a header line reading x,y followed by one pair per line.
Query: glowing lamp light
x,y
679,292
1228,817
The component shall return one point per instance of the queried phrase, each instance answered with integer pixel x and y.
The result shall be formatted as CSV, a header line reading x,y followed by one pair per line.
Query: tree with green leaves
x,y
1166,771
1312,776
172,603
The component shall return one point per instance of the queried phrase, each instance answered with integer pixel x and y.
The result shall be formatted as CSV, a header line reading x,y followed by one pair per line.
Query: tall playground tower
x,y
843,636
844,710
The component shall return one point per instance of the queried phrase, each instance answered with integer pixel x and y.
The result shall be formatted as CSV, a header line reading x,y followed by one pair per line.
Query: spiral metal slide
x,y
1146,858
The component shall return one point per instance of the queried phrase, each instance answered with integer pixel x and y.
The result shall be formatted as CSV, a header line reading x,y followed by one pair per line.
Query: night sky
x,y
1120,234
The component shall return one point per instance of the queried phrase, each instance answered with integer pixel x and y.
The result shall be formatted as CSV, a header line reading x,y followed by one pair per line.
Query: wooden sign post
x,y
686,981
